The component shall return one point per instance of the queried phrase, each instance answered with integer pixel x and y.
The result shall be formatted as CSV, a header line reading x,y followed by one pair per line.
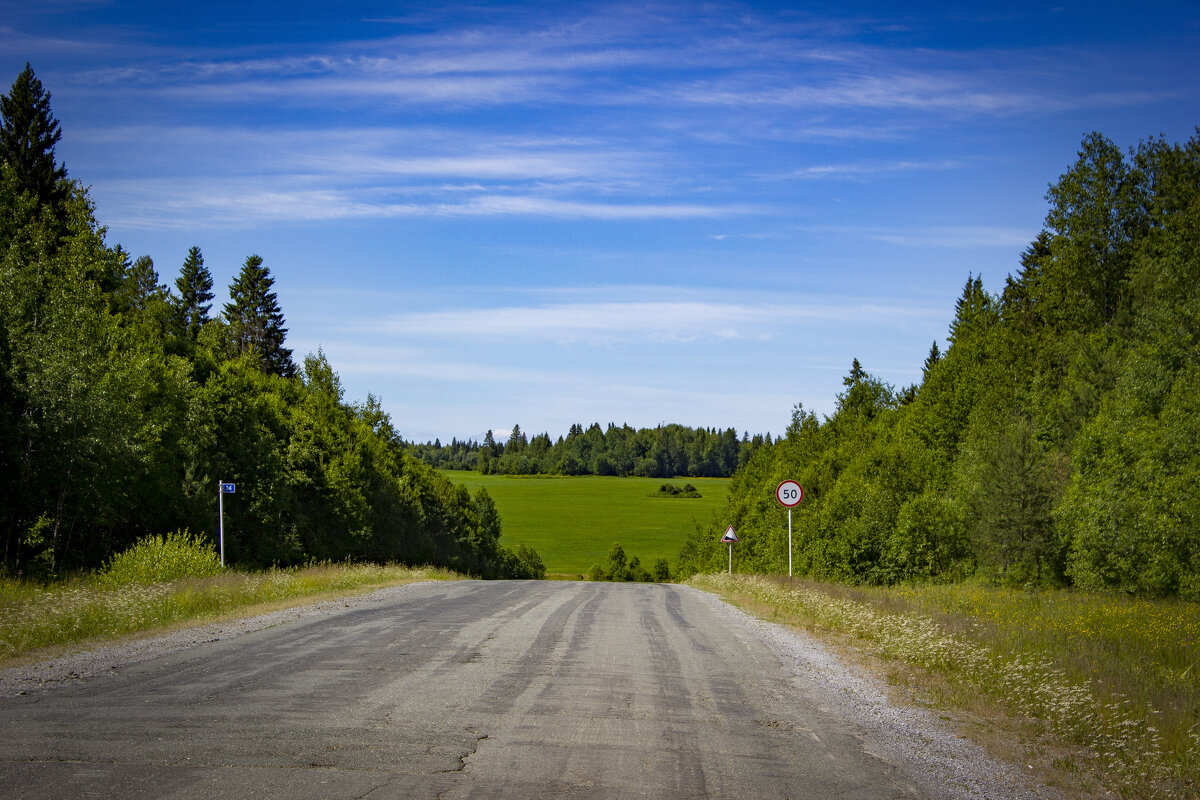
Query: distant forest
x,y
124,401
666,451
1055,442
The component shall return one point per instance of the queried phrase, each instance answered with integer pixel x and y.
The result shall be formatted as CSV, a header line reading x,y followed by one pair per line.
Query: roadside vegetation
x,y
1100,692
161,582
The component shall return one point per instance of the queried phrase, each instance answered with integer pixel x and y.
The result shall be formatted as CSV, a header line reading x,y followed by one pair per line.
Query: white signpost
x,y
789,494
730,538
222,490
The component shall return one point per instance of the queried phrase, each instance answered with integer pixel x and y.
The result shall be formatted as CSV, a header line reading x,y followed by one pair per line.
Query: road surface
x,y
454,690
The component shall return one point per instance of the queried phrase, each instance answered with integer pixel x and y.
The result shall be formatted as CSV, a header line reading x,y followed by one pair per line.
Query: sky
x,y
488,214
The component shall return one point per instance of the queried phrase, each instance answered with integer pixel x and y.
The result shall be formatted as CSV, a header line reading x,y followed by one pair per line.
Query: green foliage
x,y
662,452
122,407
524,562
161,559
670,490
1054,442
1130,510
255,319
620,567
195,295
28,134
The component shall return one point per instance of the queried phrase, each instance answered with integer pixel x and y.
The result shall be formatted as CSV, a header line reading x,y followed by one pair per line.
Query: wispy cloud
x,y
631,321
162,204
966,236
863,170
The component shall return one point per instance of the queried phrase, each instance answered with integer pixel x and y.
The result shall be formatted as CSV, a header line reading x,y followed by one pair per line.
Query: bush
x,y
662,570
157,559
524,562
670,490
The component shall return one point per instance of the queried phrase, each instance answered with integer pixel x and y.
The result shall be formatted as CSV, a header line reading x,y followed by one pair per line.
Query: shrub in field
x,y
671,490
156,559
524,562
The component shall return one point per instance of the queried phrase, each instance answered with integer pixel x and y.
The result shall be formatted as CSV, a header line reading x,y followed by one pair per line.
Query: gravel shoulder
x,y
914,739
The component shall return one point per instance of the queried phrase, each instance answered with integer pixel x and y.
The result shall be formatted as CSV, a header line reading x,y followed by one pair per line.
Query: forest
x,y
123,402
666,451
1055,442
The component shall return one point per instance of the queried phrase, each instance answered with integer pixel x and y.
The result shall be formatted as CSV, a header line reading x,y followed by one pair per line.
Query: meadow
x,y
573,521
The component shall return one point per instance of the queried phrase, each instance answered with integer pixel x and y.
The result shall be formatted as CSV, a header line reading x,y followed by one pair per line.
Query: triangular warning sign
x,y
730,536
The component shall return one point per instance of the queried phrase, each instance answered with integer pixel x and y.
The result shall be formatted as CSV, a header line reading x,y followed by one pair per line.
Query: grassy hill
x,y
572,522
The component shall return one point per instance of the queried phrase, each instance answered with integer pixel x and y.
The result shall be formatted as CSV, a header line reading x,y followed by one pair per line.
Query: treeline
x,y
1055,442
123,402
666,451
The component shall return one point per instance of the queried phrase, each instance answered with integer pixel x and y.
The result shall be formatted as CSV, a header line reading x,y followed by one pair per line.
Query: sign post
x,y
730,538
789,494
222,490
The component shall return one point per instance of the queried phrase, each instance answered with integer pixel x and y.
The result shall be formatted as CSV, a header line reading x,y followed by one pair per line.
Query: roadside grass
x,y
1102,691
572,522
37,619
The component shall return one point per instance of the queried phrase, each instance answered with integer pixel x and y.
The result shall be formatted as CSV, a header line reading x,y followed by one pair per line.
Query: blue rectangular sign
x,y
228,488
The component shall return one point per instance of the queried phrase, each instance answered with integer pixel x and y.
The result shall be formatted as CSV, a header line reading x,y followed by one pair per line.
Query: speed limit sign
x,y
789,493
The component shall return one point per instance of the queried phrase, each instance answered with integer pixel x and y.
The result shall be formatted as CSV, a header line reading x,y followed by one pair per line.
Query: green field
x,y
572,522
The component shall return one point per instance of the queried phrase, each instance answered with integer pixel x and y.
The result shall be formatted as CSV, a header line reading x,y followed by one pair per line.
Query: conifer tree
x,y
28,133
139,286
195,294
255,319
974,311
931,360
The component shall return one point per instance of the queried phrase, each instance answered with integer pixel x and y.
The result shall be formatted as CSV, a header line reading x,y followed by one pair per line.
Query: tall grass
x,y
1112,678
97,607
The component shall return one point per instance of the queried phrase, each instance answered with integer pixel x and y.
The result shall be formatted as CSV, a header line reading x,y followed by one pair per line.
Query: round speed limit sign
x,y
789,493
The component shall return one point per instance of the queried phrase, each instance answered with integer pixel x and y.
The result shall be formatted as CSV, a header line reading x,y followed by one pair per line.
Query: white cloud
x,y
949,236
633,321
239,203
856,171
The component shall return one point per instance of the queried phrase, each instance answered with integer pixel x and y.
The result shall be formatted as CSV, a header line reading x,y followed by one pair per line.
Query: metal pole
x,y
731,558
789,543
221,514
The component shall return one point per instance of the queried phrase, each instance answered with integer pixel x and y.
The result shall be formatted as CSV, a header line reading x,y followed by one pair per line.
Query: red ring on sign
x,y
789,494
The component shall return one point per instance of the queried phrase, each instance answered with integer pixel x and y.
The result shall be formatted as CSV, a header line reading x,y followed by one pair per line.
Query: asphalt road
x,y
455,689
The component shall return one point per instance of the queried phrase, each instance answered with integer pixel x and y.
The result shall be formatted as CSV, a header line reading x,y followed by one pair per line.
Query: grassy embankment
x,y
1097,693
572,522
167,583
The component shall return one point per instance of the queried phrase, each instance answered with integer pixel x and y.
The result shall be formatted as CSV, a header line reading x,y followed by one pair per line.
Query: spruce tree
x,y
28,133
931,360
195,294
139,287
255,319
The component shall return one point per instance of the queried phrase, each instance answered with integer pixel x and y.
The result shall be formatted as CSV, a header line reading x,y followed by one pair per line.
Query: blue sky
x,y
547,213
